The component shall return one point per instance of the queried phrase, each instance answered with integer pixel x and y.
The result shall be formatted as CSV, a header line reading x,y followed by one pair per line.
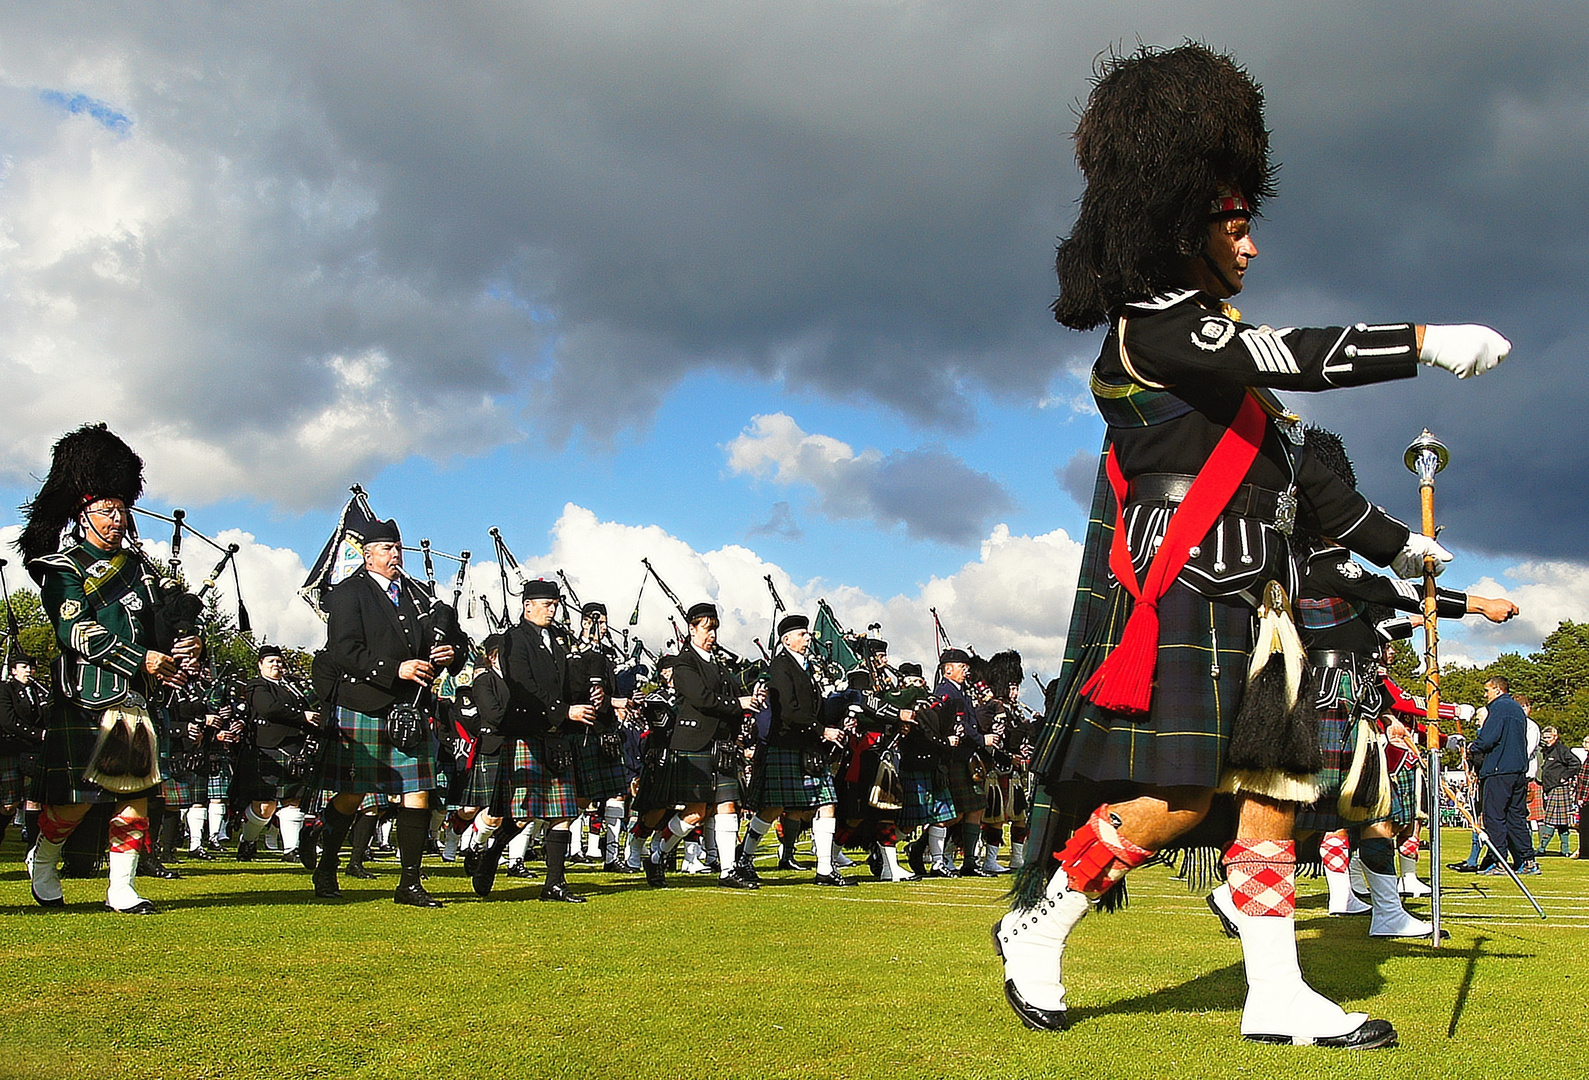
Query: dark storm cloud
x,y
437,228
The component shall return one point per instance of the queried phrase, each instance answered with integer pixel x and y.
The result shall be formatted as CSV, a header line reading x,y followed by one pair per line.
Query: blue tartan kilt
x,y
926,801
1404,796
219,781
360,760
966,795
598,778
1182,739
692,777
782,781
537,793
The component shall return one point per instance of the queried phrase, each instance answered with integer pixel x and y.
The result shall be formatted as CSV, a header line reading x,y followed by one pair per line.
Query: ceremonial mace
x,y
1426,456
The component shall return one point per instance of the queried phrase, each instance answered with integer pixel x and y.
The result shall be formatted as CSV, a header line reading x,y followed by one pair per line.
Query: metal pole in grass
x,y
1426,456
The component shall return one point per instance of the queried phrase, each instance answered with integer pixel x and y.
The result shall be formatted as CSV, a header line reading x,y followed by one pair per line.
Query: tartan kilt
x,y
1338,740
479,784
596,777
1561,810
187,789
966,794
68,741
653,782
1405,804
692,777
219,781
926,801
360,760
537,793
1182,739
782,781
262,777
13,781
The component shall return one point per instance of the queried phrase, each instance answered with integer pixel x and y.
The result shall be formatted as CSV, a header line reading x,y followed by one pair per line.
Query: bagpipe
x,y
745,674
177,612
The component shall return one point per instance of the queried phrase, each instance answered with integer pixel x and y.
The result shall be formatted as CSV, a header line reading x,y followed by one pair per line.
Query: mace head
x,y
1426,456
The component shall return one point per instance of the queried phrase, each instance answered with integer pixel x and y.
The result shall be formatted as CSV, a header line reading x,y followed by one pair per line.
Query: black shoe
x,y
656,877
325,888
746,870
613,866
973,870
142,907
787,862
1462,867
246,850
943,872
735,879
415,896
1033,1017
149,865
1370,1035
560,894
916,856
485,872
200,854
874,861
290,856
357,870
833,878
471,861
517,869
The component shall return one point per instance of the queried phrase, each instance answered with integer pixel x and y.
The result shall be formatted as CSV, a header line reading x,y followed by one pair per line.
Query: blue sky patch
x,y
81,104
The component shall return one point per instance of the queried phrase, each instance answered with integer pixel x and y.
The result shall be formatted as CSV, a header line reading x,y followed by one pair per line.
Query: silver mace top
x,y
1426,456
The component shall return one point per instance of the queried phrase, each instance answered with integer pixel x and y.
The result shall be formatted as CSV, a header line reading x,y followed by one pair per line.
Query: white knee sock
x,y
217,819
519,845
290,818
726,826
935,838
195,827
253,826
823,830
612,825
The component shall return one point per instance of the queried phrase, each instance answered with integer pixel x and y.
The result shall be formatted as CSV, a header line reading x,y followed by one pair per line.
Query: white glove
x,y
1463,349
1465,713
1408,563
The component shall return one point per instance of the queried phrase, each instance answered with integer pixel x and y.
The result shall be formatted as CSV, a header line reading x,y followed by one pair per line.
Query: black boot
x,y
334,829
149,862
412,830
30,828
485,871
556,887
359,847
970,833
786,847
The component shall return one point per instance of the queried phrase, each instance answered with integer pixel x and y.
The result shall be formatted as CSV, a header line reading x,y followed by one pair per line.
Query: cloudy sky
x,y
748,288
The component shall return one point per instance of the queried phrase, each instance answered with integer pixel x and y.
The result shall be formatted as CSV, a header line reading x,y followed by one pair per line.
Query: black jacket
x,y
368,638
1560,766
482,710
22,716
707,701
537,678
276,712
796,705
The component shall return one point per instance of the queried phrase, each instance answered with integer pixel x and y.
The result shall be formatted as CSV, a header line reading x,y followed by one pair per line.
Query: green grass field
x,y
243,975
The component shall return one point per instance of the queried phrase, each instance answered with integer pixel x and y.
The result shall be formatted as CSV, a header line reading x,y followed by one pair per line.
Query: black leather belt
x,y
1332,658
1249,501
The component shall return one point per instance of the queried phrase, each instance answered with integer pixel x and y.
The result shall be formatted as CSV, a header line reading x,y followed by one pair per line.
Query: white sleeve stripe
x,y
1382,329
1337,346
1393,350
1269,353
1405,588
1349,529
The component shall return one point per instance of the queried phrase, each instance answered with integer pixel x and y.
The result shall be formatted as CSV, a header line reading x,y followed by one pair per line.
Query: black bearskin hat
x,y
89,463
1003,671
1164,134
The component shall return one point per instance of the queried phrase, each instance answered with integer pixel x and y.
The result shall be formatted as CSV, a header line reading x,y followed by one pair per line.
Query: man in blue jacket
x,y
1503,740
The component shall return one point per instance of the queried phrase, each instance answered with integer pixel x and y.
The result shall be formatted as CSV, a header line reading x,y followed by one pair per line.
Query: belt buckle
x,y
135,699
1286,511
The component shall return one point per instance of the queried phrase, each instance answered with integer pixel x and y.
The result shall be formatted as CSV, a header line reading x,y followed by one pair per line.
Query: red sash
x,y
1124,681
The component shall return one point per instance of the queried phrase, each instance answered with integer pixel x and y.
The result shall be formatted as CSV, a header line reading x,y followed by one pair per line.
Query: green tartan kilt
x,y
1338,739
262,776
692,777
1182,739
537,792
68,741
360,760
598,778
480,782
782,781
1404,796
966,794
186,789
927,802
